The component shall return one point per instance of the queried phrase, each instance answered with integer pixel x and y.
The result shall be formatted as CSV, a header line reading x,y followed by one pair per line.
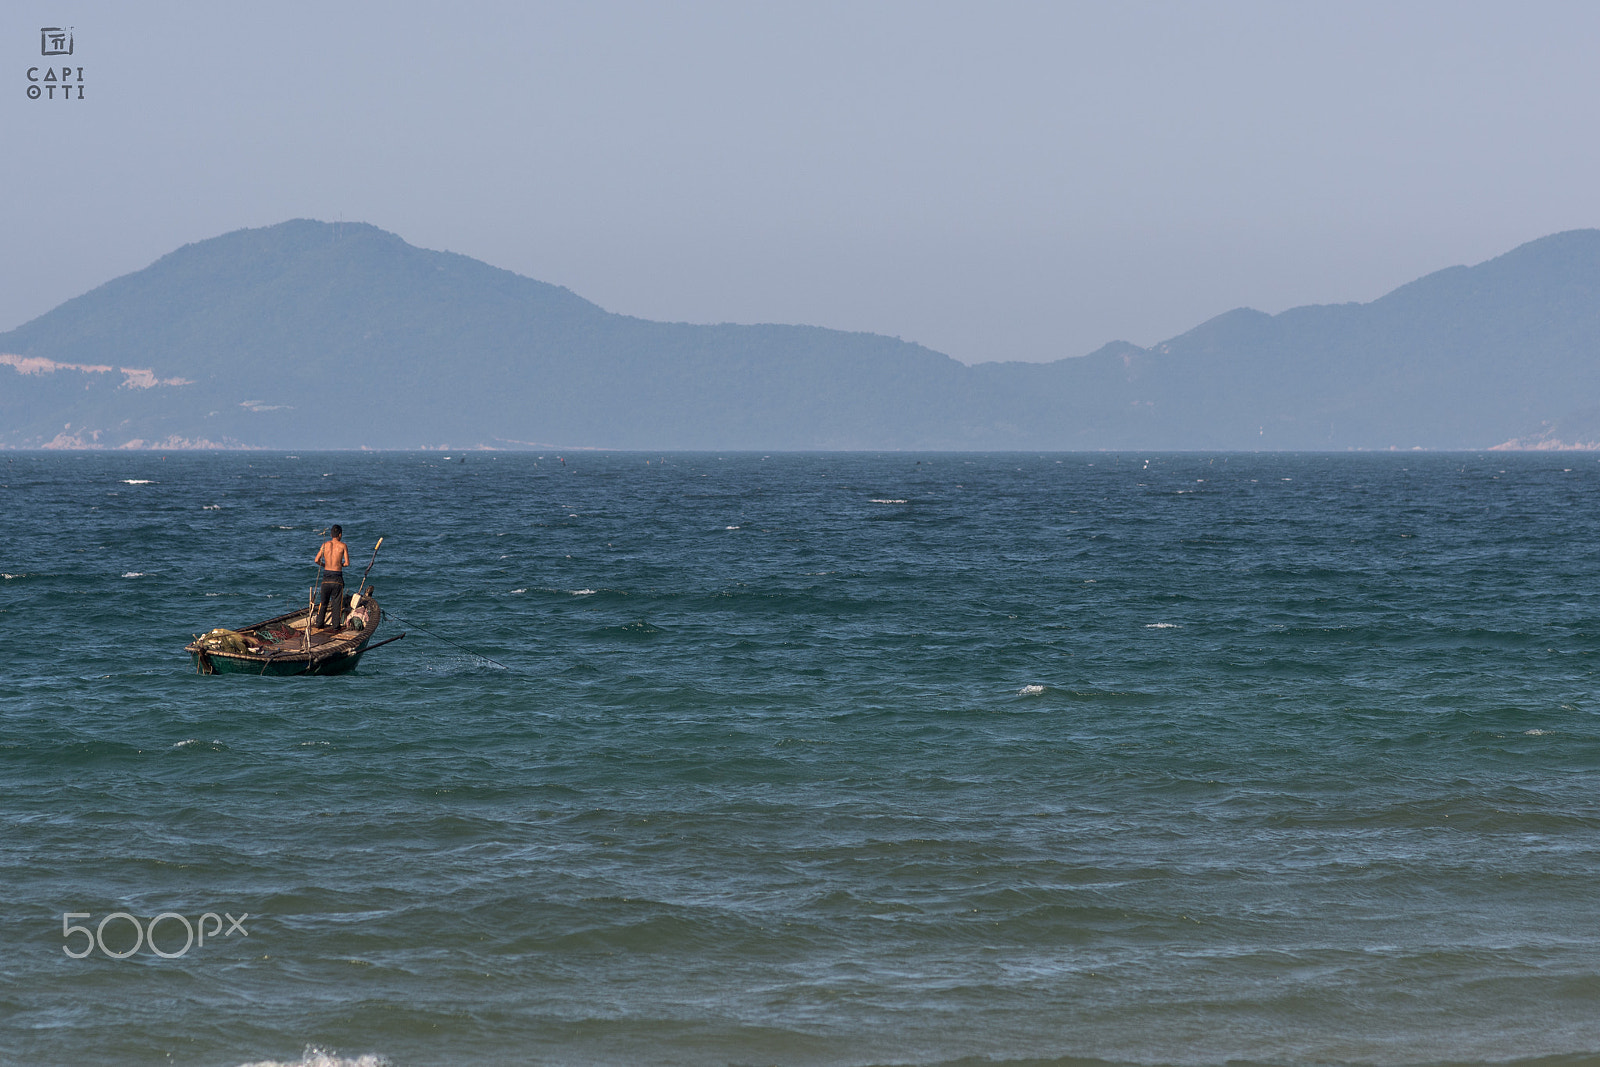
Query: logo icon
x,y
55,41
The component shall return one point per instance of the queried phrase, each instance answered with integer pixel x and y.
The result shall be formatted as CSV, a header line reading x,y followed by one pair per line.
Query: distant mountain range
x,y
310,335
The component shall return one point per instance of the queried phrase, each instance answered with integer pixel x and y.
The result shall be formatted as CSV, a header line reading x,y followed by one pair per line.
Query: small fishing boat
x,y
280,646
289,644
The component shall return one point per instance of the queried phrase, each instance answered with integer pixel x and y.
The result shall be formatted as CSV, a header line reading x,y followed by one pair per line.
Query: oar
x,y
380,644
311,610
355,601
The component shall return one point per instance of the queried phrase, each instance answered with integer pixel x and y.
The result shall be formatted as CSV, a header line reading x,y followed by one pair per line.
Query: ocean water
x,y
807,759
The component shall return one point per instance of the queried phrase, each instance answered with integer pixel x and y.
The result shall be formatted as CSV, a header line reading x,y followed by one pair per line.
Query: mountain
x,y
314,335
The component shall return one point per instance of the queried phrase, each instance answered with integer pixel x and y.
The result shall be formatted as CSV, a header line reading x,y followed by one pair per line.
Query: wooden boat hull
x,y
280,648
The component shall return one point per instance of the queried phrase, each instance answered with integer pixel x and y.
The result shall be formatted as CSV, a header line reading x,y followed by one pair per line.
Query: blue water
x,y
808,759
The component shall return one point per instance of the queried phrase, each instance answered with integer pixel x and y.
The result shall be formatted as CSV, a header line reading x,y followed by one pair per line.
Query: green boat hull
x,y
282,667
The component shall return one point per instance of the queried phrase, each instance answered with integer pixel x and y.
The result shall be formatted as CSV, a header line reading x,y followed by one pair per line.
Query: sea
x,y
815,759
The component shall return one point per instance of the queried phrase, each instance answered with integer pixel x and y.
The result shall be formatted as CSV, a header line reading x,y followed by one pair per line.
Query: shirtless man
x,y
333,558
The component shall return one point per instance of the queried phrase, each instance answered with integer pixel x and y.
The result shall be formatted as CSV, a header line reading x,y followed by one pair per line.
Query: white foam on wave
x,y
885,500
210,507
1030,691
134,574
730,527
583,592
137,481
519,590
8,577
320,1057
1161,626
1534,733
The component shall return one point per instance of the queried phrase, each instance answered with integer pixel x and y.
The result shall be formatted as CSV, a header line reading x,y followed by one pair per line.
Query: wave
x,y
319,1057
633,630
196,743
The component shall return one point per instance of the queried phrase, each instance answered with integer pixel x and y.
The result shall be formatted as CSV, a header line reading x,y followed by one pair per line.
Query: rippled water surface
x,y
808,759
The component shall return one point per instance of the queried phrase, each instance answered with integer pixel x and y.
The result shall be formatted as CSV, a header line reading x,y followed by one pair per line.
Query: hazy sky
x,y
995,181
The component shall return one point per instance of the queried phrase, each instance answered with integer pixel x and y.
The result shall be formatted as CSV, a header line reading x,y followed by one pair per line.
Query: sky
x,y
1022,181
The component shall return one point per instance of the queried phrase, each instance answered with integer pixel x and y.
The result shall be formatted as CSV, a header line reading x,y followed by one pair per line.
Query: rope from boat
x,y
446,640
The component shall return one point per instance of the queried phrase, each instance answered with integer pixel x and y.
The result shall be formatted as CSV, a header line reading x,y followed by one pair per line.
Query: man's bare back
x,y
333,556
